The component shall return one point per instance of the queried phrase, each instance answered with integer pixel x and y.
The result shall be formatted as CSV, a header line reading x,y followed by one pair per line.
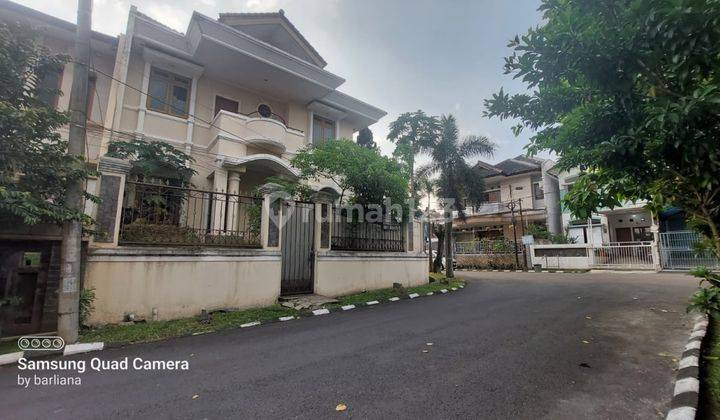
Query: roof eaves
x,y
293,28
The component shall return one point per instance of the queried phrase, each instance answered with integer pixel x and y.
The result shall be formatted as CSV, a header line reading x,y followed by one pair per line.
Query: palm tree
x,y
413,133
427,186
458,182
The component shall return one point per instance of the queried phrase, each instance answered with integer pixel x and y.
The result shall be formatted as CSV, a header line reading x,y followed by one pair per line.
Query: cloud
x,y
262,5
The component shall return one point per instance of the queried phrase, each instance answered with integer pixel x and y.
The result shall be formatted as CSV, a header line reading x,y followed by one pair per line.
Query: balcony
x,y
484,209
236,135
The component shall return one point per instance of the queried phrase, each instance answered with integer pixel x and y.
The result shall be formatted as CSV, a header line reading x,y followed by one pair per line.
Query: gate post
x,y
655,248
113,173
270,222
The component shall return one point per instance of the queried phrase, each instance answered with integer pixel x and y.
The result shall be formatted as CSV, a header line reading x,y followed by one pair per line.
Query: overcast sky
x,y
400,55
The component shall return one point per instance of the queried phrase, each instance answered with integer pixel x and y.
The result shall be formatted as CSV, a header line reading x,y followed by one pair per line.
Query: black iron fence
x,y
355,234
160,214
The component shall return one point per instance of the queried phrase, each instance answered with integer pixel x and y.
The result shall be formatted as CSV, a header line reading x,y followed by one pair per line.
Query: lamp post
x,y
511,205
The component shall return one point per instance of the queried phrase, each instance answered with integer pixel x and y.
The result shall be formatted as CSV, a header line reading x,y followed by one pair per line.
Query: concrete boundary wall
x,y
340,273
178,283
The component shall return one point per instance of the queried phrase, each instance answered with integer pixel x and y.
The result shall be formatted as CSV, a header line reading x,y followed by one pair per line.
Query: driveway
x,y
510,345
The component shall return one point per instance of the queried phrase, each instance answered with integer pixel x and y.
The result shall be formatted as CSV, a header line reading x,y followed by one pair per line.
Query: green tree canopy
x,y
34,167
412,133
154,158
629,90
365,173
365,138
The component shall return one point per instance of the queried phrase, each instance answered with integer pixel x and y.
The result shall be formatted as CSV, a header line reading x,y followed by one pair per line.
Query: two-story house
x,y
241,94
517,193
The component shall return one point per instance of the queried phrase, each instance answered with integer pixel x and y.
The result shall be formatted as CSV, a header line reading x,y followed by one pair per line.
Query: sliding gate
x,y
678,252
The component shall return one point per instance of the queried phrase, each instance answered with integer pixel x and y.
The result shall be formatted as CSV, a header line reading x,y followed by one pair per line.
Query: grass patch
x,y
710,374
8,346
384,294
160,330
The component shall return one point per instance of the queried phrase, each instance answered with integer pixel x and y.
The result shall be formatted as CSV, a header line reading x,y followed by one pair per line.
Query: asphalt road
x,y
507,346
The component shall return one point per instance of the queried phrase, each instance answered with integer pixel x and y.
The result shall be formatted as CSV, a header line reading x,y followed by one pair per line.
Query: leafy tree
x,y
154,159
412,133
459,182
629,90
369,176
365,138
34,167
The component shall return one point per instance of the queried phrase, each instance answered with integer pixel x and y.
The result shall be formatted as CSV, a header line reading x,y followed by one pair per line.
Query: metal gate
x,y
678,252
298,238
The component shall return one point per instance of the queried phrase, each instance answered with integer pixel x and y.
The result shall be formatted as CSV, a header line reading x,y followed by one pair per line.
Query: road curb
x,y
559,270
70,349
686,394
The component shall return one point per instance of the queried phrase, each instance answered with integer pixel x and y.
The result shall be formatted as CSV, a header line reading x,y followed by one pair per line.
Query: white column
x,y
191,115
655,229
233,206
143,99
218,201
311,117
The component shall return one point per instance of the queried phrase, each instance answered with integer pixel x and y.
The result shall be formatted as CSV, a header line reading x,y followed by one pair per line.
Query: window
x,y
264,110
538,192
91,92
492,196
168,93
323,129
49,88
224,104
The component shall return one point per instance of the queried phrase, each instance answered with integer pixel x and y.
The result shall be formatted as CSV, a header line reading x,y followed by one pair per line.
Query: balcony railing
x,y
484,209
156,214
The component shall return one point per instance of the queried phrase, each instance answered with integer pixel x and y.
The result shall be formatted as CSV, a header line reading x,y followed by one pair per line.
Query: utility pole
x,y
522,227
70,250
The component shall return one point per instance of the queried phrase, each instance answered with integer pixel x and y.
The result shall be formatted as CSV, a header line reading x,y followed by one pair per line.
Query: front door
x,y
298,238
623,235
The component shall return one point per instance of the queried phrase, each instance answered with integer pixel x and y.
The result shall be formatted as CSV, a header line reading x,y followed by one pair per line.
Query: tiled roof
x,y
508,167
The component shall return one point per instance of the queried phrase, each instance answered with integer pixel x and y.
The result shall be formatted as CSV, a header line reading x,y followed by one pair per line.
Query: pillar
x,y
551,188
220,177
113,173
232,217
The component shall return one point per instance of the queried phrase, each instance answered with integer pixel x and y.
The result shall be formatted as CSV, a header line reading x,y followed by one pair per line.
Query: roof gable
x,y
508,167
276,30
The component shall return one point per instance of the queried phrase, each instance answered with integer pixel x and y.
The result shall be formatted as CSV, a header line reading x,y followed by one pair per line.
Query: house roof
x,y
276,29
514,166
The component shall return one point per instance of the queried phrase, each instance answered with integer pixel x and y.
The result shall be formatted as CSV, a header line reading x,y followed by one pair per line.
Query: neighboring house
x,y
521,180
30,255
241,94
628,223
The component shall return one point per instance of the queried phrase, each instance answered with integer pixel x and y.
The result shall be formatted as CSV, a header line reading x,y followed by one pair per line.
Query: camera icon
x,y
41,343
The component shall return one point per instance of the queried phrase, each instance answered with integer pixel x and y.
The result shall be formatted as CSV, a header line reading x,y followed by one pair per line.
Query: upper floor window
x,y
538,192
168,93
92,93
49,88
323,129
225,104
492,196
